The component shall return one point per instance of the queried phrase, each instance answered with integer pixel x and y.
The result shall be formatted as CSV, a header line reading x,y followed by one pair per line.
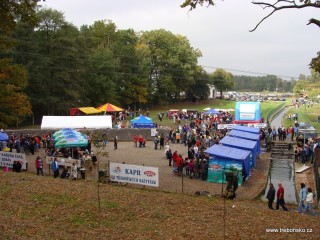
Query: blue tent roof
x,y
246,129
244,135
3,137
212,111
244,144
228,152
142,122
238,142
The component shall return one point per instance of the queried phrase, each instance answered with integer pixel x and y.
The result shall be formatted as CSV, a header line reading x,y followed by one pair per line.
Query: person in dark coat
x,y
271,195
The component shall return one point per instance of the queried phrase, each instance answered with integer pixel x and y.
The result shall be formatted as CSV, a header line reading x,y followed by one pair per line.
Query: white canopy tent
x,y
59,122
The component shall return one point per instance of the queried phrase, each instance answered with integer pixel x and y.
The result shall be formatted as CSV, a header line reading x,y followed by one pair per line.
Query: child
x,y
309,202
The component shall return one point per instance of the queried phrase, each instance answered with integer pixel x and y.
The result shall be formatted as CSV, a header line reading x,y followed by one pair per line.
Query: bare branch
x,y
287,5
314,21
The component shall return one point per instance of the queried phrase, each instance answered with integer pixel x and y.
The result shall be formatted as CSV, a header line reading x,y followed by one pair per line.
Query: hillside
x,y
34,207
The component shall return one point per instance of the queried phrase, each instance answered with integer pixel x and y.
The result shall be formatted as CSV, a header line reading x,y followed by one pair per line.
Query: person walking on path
x,y
271,195
39,166
74,171
303,196
115,142
55,168
156,141
309,201
280,198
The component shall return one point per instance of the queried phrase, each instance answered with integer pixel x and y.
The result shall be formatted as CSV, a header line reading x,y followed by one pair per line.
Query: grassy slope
x,y
266,107
34,207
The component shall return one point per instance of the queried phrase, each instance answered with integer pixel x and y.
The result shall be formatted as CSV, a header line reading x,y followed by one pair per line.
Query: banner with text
x,y
231,126
7,159
67,162
136,174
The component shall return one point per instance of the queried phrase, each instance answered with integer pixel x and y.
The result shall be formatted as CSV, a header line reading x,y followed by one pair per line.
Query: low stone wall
x,y
124,134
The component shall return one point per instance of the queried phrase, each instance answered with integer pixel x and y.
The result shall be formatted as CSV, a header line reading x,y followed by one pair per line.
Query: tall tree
x,y
173,62
52,54
132,85
300,88
14,103
102,72
200,88
222,80
13,77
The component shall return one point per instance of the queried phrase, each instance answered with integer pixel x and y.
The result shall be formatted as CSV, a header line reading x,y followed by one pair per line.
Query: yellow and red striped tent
x,y
108,107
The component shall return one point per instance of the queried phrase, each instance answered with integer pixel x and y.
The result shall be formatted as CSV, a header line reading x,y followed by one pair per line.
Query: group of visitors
x,y
28,144
306,198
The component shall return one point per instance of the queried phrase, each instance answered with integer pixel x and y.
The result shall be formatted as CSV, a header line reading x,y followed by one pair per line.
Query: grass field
x,y
266,108
35,207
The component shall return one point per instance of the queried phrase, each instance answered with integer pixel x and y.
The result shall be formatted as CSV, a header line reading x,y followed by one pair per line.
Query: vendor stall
x,y
142,122
223,160
244,144
247,136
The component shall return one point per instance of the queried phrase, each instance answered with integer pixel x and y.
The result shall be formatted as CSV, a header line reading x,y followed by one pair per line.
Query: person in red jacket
x,y
39,166
180,164
280,197
174,158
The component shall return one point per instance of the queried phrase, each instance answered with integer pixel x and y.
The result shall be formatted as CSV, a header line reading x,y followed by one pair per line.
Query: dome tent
x,y
142,122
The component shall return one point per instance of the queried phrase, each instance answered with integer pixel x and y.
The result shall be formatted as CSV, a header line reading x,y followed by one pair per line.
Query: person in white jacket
x,y
309,202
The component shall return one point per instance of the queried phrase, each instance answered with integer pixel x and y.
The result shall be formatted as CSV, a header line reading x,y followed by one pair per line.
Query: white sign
x,y
226,126
63,161
153,132
247,108
143,175
231,126
7,159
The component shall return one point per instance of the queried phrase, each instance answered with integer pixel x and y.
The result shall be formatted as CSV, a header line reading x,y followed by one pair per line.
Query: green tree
x,y
52,53
200,88
172,64
102,70
315,63
13,10
222,80
132,85
13,77
300,87
14,103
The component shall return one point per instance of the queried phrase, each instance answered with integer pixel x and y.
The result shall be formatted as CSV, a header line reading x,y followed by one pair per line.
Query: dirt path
x,y
129,154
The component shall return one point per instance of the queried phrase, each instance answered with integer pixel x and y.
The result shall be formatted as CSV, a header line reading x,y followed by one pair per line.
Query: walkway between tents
x,y
282,170
282,165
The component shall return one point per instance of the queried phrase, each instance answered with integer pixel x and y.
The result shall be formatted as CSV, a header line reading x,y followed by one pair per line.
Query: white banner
x,y
226,126
63,161
7,159
136,174
231,126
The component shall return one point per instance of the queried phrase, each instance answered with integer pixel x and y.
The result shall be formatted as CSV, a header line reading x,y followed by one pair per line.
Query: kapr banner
x,y
136,174
7,159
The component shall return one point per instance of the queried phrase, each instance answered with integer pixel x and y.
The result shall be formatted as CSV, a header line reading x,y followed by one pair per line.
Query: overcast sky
x,y
283,45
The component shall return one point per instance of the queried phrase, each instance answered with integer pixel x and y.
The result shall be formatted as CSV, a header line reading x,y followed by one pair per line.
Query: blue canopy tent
x,y
247,129
142,122
4,137
246,135
224,159
212,111
244,144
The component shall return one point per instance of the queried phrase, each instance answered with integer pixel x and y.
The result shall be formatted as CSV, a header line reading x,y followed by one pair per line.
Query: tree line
x,y
47,65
